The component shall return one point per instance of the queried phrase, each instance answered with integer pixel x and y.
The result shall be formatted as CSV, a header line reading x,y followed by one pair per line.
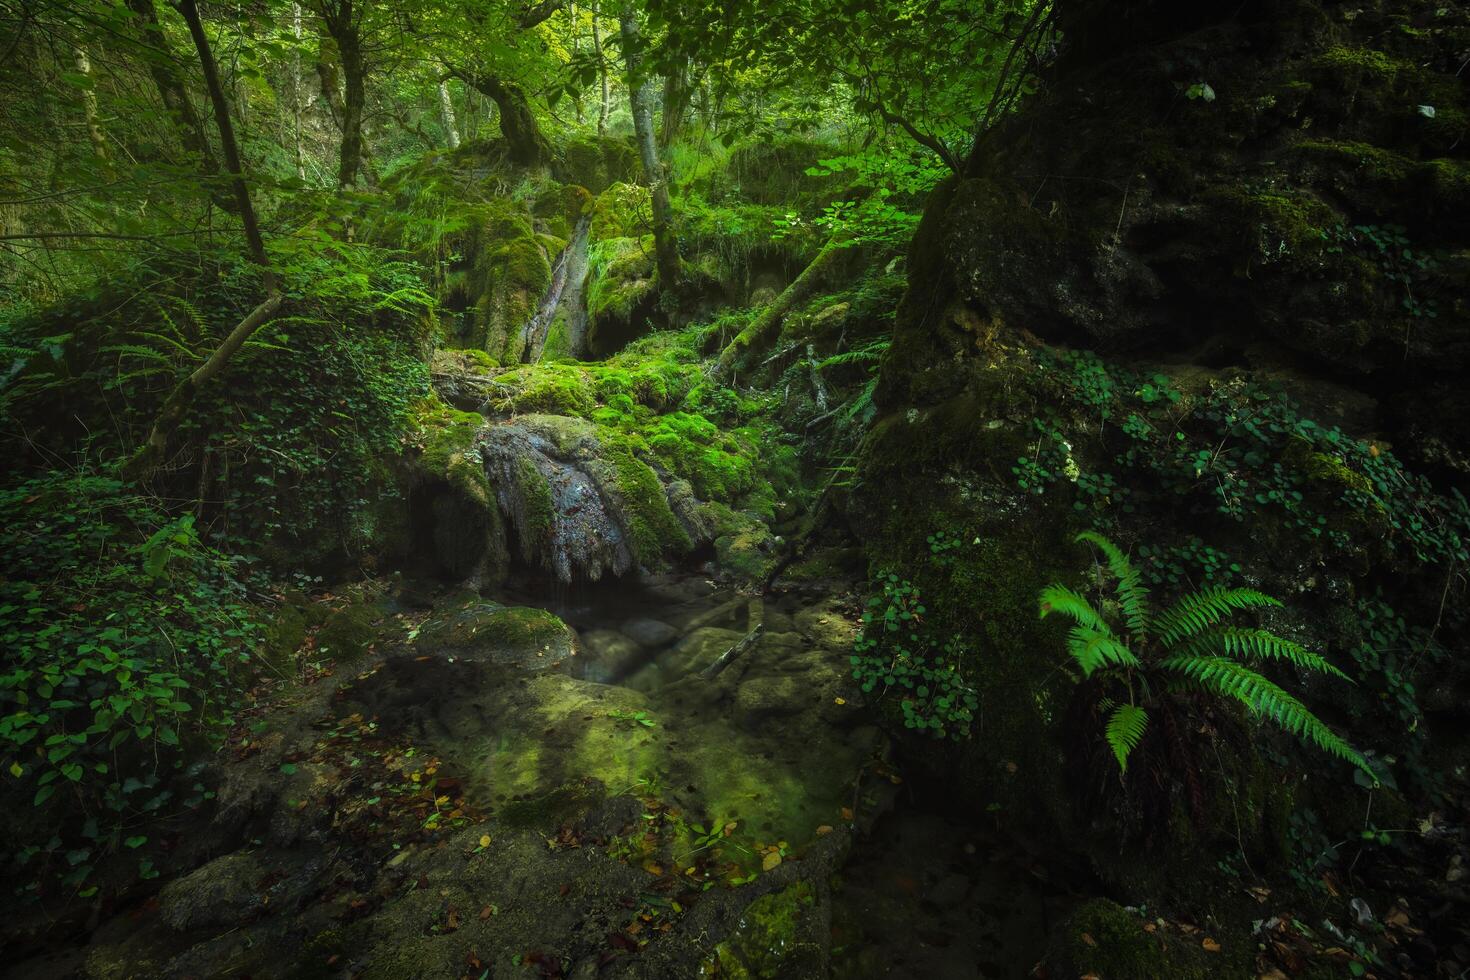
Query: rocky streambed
x,y
505,789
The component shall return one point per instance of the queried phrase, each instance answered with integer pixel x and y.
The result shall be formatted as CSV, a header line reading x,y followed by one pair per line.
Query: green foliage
x,y
123,634
1185,649
1411,269
897,652
1239,450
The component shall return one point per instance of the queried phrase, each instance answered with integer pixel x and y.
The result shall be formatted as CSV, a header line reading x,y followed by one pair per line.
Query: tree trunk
x,y
89,105
446,111
176,408
769,321
296,90
677,93
528,147
344,27
601,72
162,67
640,99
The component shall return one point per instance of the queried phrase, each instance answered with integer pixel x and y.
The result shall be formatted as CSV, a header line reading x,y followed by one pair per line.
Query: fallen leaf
x,y
824,830
770,861
486,912
839,700
451,921
1210,945
484,840
847,813
1087,938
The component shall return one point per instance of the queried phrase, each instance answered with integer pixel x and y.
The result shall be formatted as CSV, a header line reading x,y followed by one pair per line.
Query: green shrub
x,y
897,652
122,635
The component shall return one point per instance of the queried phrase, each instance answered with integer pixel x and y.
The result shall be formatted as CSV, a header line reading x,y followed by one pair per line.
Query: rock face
x,y
1252,213
579,506
1242,183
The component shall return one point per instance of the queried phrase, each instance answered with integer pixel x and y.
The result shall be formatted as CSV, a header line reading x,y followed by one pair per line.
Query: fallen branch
x,y
729,656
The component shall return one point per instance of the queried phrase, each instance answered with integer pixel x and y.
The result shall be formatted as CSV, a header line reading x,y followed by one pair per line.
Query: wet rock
x,y
607,656
222,892
481,630
761,699
704,646
650,633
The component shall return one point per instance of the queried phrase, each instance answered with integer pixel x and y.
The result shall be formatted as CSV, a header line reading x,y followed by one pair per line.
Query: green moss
x,y
479,624
596,162
1106,940
693,448
447,437
536,493
653,530
770,939
552,389
747,553
348,632
1274,227
621,211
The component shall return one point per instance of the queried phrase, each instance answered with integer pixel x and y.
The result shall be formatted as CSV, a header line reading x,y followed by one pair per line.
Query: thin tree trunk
x,y
601,72
344,28
640,99
89,104
176,408
296,90
446,110
677,92
769,321
163,68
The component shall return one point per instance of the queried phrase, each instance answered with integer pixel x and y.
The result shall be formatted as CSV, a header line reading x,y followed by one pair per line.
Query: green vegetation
x,y
468,464
1184,646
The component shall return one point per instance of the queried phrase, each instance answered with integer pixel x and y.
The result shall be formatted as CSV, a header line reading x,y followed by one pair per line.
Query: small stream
x,y
566,298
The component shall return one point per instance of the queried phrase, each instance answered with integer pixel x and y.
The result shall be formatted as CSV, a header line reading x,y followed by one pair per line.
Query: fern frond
x,y
1124,731
1231,679
1198,611
1242,643
1132,593
1093,650
1060,599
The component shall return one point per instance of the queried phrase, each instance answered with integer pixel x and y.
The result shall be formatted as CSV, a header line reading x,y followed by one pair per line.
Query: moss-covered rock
x,y
773,940
349,631
622,287
1105,940
481,631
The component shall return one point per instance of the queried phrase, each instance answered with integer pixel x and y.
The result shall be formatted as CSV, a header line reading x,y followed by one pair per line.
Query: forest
x,y
734,489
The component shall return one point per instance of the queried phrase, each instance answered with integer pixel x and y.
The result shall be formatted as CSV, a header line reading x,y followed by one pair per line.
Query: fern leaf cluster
x,y
1191,643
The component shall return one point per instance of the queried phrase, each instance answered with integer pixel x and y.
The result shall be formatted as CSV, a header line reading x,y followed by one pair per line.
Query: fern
x,y
1060,599
1230,679
1132,593
1200,610
1260,645
1125,730
1191,643
1094,650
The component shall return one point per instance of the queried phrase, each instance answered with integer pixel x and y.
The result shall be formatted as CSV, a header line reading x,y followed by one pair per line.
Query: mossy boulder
x,y
622,287
453,518
349,631
776,938
483,631
598,162
622,211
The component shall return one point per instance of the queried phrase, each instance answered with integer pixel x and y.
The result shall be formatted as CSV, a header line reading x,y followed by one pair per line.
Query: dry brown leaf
x,y
1087,938
1210,945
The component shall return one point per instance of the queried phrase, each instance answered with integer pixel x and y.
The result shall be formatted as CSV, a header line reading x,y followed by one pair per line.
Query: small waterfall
x,y
570,270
